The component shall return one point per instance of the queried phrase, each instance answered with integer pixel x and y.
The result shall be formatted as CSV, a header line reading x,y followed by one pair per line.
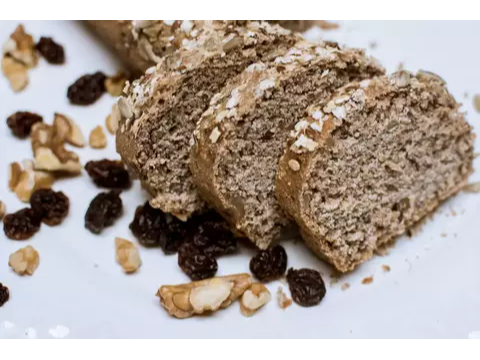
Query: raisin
x,y
21,225
21,123
174,235
51,51
307,286
52,207
269,264
195,263
87,89
109,174
104,209
4,294
148,224
211,235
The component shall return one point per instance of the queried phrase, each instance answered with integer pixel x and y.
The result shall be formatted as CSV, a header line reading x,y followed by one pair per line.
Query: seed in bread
x,y
240,138
386,152
160,111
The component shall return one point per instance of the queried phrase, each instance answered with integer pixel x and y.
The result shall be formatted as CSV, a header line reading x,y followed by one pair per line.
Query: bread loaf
x,y
363,167
160,111
240,138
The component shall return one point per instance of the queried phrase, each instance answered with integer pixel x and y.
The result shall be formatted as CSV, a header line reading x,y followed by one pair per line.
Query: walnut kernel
x,y
3,210
15,72
115,84
254,298
127,255
283,300
24,261
97,139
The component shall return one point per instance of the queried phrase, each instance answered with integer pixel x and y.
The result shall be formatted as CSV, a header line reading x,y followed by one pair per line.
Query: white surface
x,y
433,289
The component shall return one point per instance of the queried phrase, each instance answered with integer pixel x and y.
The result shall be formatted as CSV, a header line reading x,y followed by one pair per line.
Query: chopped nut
x,y
367,280
345,286
124,108
15,170
254,298
127,255
15,72
327,25
283,300
386,268
111,122
50,153
26,185
294,165
476,102
3,210
24,261
185,300
115,84
97,139
67,129
21,47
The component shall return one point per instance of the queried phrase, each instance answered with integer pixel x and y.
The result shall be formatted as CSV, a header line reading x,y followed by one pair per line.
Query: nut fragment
x,y
24,261
97,139
15,170
294,164
15,72
181,301
283,300
115,84
21,47
25,182
254,298
3,210
111,122
48,148
127,255
476,102
64,126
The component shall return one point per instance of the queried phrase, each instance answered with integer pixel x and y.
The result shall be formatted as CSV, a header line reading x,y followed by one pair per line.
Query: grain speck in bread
x,y
384,153
240,138
161,109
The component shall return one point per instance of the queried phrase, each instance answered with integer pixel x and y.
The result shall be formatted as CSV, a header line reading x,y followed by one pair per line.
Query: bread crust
x,y
323,120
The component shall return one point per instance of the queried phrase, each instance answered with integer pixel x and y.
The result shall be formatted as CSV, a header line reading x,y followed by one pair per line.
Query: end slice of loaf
x,y
363,167
240,138
161,109
141,44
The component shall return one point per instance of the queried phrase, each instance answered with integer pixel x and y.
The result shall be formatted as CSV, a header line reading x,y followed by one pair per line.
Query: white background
x,y
432,291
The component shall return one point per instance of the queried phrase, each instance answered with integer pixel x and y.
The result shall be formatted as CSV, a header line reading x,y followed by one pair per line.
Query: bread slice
x,y
363,167
240,138
161,109
141,44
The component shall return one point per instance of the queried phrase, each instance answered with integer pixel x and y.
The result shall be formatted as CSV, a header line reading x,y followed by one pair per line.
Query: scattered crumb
x,y
443,234
473,188
453,212
327,25
59,331
386,268
476,102
373,45
345,286
283,300
367,280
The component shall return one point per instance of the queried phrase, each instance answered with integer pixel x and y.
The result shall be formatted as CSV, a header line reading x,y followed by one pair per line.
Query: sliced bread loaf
x,y
240,138
141,44
363,167
160,111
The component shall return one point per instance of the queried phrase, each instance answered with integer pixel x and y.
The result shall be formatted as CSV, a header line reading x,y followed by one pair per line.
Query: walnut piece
x,y
21,47
48,148
15,72
185,300
111,122
24,261
97,139
67,129
127,255
254,298
283,300
115,84
3,210
25,182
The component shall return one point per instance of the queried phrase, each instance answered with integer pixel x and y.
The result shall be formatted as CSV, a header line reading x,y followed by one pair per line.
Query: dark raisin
x,y
21,225
195,263
4,294
148,224
51,51
21,123
307,286
211,235
104,209
269,264
174,235
51,206
109,174
87,89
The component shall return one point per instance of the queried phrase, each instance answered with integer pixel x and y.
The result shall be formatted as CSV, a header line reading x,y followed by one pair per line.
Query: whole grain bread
x,y
141,44
363,167
160,110
240,138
